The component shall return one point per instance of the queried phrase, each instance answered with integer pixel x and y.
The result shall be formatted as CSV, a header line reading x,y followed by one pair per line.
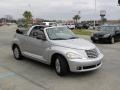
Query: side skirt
x,y
35,57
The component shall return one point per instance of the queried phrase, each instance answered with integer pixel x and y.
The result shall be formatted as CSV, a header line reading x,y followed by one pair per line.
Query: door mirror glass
x,y
42,37
35,34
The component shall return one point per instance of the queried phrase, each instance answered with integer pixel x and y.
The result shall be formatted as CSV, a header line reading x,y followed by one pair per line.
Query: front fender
x,y
15,41
58,50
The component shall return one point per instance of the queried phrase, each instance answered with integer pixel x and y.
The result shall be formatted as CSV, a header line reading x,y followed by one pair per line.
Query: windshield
x,y
108,28
60,33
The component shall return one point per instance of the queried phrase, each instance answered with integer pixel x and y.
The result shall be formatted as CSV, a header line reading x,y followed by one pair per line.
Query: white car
x,y
71,26
50,23
57,46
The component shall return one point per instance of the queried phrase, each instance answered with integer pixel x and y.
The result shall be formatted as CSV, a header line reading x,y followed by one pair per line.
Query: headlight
x,y
106,35
72,55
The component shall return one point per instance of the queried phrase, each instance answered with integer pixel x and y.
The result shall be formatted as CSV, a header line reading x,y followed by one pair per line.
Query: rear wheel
x,y
61,66
17,53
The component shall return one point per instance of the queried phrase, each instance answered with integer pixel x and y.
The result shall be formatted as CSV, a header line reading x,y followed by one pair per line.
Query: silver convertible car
x,y
57,46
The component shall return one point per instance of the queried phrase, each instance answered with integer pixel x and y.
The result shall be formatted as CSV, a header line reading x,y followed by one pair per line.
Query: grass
x,y
82,32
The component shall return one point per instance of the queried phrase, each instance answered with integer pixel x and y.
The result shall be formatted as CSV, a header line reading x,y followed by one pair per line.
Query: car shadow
x,y
84,74
51,69
108,43
37,63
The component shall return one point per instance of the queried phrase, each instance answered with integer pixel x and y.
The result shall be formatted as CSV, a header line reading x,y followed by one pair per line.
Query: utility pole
x,y
79,13
30,7
95,14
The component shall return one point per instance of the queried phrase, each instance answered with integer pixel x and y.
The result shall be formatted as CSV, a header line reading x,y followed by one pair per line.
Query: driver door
x,y
36,47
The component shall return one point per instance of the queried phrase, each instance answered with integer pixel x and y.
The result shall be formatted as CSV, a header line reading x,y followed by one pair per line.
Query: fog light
x,y
79,68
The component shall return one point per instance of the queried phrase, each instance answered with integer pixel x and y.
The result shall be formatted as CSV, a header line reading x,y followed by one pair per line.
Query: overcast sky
x,y
60,9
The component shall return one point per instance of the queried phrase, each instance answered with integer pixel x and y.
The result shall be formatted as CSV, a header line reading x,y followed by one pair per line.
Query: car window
x,y
108,28
60,33
118,28
36,31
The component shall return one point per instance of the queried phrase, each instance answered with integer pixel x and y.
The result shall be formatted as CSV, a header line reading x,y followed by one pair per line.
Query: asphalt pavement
x,y
31,75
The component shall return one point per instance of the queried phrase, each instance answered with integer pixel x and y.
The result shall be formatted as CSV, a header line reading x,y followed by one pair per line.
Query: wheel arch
x,y
54,56
14,45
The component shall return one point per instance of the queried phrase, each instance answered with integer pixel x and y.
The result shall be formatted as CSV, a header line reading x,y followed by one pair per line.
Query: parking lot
x,y
31,75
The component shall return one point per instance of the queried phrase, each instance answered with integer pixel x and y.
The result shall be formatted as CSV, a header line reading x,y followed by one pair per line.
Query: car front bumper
x,y
84,65
101,39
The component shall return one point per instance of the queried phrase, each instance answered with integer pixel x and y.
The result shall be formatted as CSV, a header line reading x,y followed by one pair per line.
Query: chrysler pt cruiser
x,y
57,46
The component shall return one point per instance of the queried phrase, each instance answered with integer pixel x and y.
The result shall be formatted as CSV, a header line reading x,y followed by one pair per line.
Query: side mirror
x,y
42,37
35,34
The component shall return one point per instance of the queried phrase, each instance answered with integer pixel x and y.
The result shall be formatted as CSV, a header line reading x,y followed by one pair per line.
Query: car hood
x,y
102,33
74,44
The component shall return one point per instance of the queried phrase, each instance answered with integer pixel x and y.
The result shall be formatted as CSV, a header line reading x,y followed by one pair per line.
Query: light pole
x,y
95,14
30,7
102,14
79,13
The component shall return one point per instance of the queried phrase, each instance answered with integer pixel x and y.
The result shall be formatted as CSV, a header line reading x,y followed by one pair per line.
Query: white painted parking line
x,y
7,74
1,65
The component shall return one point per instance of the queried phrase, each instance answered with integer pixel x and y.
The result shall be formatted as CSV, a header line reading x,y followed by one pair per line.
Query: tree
x,y
76,18
28,17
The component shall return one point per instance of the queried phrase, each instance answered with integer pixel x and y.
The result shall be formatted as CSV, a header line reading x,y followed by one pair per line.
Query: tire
x,y
61,66
112,40
94,41
17,53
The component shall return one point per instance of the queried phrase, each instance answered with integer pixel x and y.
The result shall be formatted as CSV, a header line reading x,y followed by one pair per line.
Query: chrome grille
x,y
92,53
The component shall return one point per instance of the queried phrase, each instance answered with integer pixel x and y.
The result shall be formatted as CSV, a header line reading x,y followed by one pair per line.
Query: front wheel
x,y
94,41
61,66
17,53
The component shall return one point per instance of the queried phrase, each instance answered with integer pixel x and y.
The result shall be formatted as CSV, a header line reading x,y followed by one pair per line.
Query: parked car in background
x,y
91,28
58,47
71,26
78,26
98,28
50,23
1,24
109,33
85,26
21,26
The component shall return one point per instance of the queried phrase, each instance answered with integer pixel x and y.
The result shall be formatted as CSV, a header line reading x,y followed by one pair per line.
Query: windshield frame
x,y
46,29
